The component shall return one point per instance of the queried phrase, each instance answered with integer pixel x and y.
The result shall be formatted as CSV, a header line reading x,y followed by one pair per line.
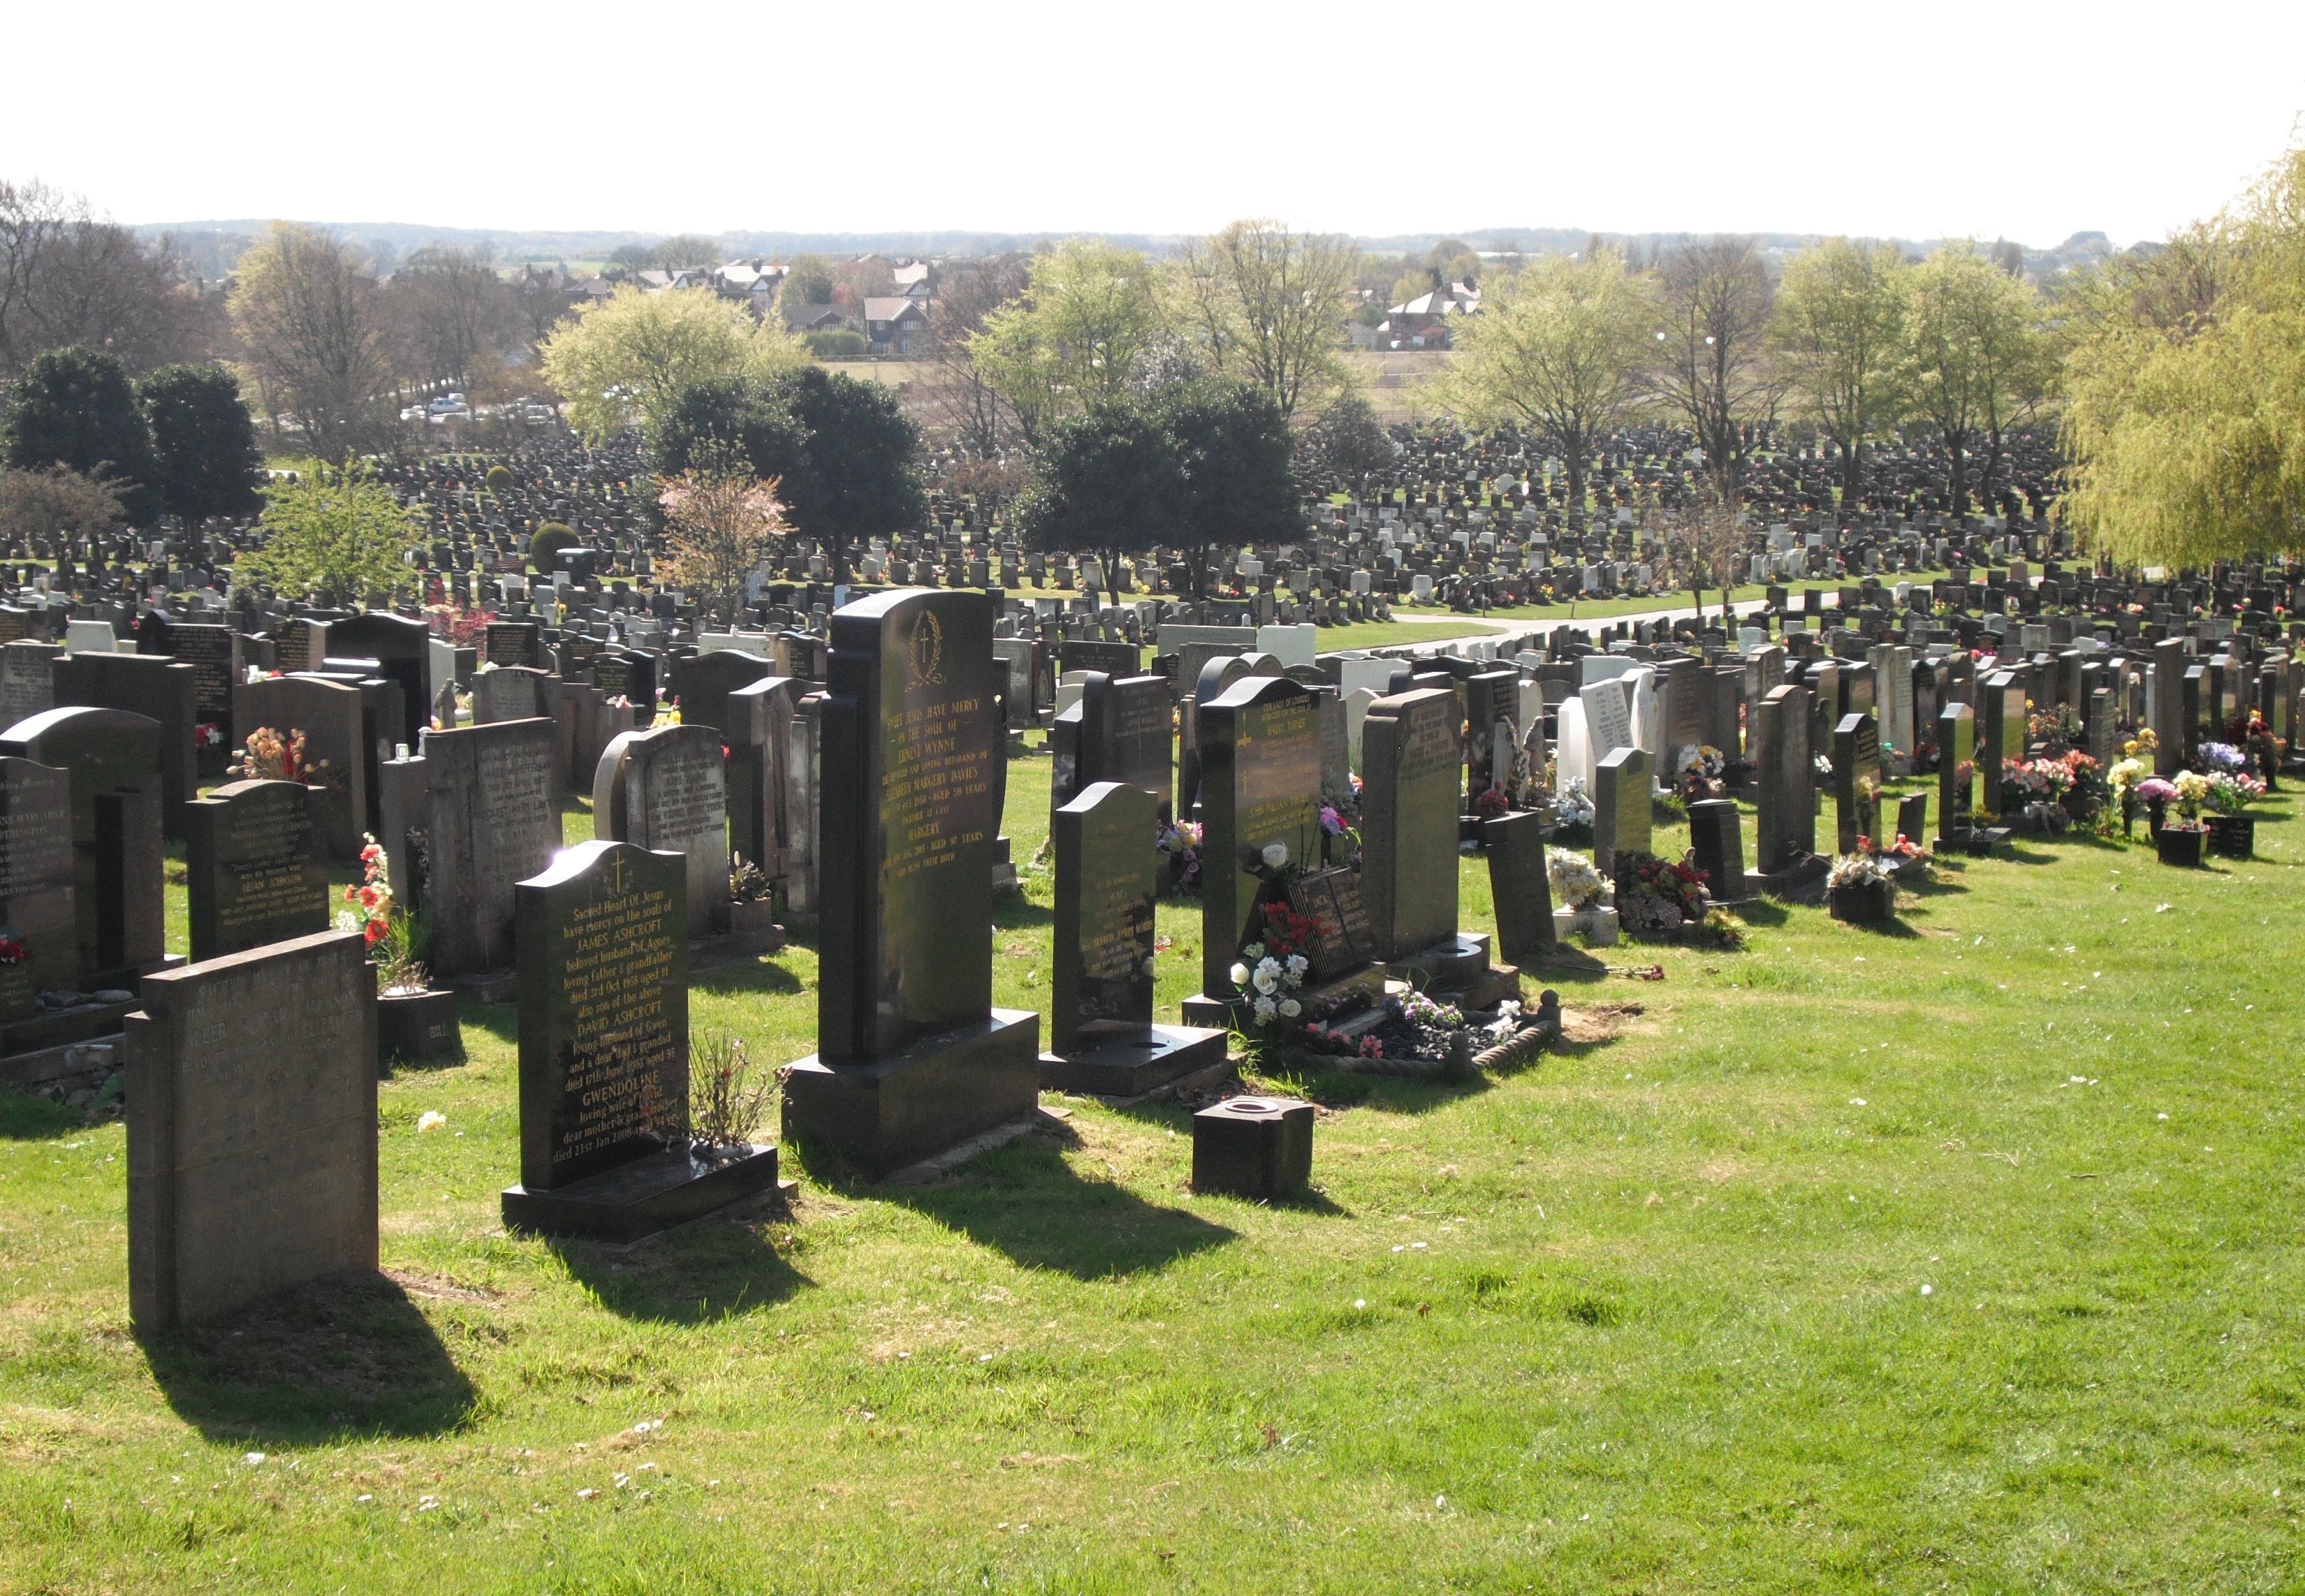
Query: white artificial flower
x,y
1264,1008
1291,1009
1299,964
1276,854
1238,974
346,921
1267,980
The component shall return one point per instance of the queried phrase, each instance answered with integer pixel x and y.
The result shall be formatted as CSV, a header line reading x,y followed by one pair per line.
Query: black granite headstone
x,y
1519,886
1259,807
255,868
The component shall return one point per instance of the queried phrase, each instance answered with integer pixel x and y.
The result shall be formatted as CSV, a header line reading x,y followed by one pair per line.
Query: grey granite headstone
x,y
468,819
1856,781
665,790
1621,806
329,715
113,759
1409,754
255,869
1787,779
37,870
251,1128
1519,886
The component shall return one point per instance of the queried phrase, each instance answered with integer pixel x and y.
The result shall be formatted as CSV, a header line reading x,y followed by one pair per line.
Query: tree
x,y
624,360
77,409
843,452
1559,348
2184,415
1236,449
335,532
808,281
1345,444
57,505
307,309
1269,307
453,310
968,410
1841,334
67,278
1088,318
1702,549
205,458
1110,481
684,252
719,525
1976,353
1711,367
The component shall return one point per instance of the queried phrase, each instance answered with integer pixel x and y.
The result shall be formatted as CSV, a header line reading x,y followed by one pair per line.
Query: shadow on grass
x,y
499,1020
24,1117
328,1360
713,1268
764,975
1894,929
1012,909
1025,1202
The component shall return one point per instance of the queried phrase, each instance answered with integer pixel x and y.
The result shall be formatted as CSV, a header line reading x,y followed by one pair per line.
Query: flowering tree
x,y
719,527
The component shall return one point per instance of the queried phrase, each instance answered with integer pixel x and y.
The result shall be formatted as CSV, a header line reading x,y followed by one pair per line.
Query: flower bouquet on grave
x,y
18,994
2179,835
1178,844
2034,789
1703,775
2055,729
1572,811
2088,792
1904,857
1575,884
1860,889
2121,785
391,931
2233,830
1655,897
729,1097
1268,977
207,734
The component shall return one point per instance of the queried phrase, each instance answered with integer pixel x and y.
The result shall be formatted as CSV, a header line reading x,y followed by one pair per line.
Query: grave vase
x,y
2180,844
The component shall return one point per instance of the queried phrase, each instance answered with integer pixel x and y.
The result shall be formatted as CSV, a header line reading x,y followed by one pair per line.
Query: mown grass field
x,y
1961,1256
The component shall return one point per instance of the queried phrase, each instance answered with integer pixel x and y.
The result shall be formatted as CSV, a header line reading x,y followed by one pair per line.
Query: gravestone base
x,y
1004,868
1131,1068
1460,969
1359,988
49,1028
1976,841
1799,882
639,1197
485,985
915,1103
1597,925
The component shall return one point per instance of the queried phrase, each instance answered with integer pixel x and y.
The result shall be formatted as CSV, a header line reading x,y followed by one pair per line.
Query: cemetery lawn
x,y
1959,1256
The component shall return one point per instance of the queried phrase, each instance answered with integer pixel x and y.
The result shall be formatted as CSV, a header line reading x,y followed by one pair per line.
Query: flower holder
x,y
2179,846
1864,904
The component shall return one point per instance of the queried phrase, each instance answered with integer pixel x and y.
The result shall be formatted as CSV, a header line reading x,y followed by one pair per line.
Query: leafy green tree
x,y
1236,447
808,281
1085,324
1109,483
1268,305
1557,348
76,408
1840,339
205,458
335,532
844,454
624,360
1346,442
1976,353
2184,414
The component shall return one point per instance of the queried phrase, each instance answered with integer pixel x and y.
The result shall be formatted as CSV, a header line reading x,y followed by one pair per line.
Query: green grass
x,y
1646,1317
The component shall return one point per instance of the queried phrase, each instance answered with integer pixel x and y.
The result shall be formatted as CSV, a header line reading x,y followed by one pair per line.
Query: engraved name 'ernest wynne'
x,y
931,769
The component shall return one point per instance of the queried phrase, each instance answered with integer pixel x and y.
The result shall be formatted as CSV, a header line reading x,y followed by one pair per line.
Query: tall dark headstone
x,y
331,716
1260,791
214,653
1716,841
1519,885
112,759
1856,781
251,1128
701,684
1956,768
1118,730
912,1058
604,1087
255,868
1787,813
758,735
1101,1038
2000,736
1410,760
402,649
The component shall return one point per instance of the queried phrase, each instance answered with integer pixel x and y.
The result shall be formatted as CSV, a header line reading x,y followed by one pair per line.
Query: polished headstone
x,y
1260,806
159,690
1101,989
1410,758
1717,843
1621,789
466,820
1786,777
665,790
1519,885
330,714
1856,781
113,759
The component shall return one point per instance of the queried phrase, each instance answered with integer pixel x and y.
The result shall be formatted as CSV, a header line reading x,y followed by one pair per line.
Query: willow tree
x,y
2184,421
1841,341
1559,348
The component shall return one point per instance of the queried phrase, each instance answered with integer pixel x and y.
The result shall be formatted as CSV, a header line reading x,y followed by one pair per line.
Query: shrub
x,y
839,344
550,538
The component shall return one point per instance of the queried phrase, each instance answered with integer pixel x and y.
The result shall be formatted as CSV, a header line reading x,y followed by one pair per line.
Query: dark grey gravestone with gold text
x,y
254,868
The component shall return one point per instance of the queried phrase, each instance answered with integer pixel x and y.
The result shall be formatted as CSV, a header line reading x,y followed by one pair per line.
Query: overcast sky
x,y
2017,119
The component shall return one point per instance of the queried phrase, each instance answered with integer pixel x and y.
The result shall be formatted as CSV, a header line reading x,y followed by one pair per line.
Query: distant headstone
x,y
26,680
401,648
702,682
331,716
511,692
665,790
466,820
251,1128
1717,843
159,690
1956,768
255,868
1787,780
1856,781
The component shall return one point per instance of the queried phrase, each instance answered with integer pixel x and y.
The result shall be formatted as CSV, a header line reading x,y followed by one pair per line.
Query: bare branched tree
x,y
68,277
967,413
452,310
1713,367
306,305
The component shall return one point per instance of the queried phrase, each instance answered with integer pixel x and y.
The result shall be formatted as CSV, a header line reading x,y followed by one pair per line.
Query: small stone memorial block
x,y
1520,886
1856,781
665,790
1716,841
1260,806
1621,806
255,869
1409,760
36,881
251,1128
912,1058
628,674
1257,1148
112,757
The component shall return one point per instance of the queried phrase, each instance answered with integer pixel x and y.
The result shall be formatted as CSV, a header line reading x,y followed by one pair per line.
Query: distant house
x,y
752,282
1423,322
916,281
895,325
803,319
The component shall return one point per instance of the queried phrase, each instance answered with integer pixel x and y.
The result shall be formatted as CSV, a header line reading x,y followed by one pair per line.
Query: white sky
x,y
2014,118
